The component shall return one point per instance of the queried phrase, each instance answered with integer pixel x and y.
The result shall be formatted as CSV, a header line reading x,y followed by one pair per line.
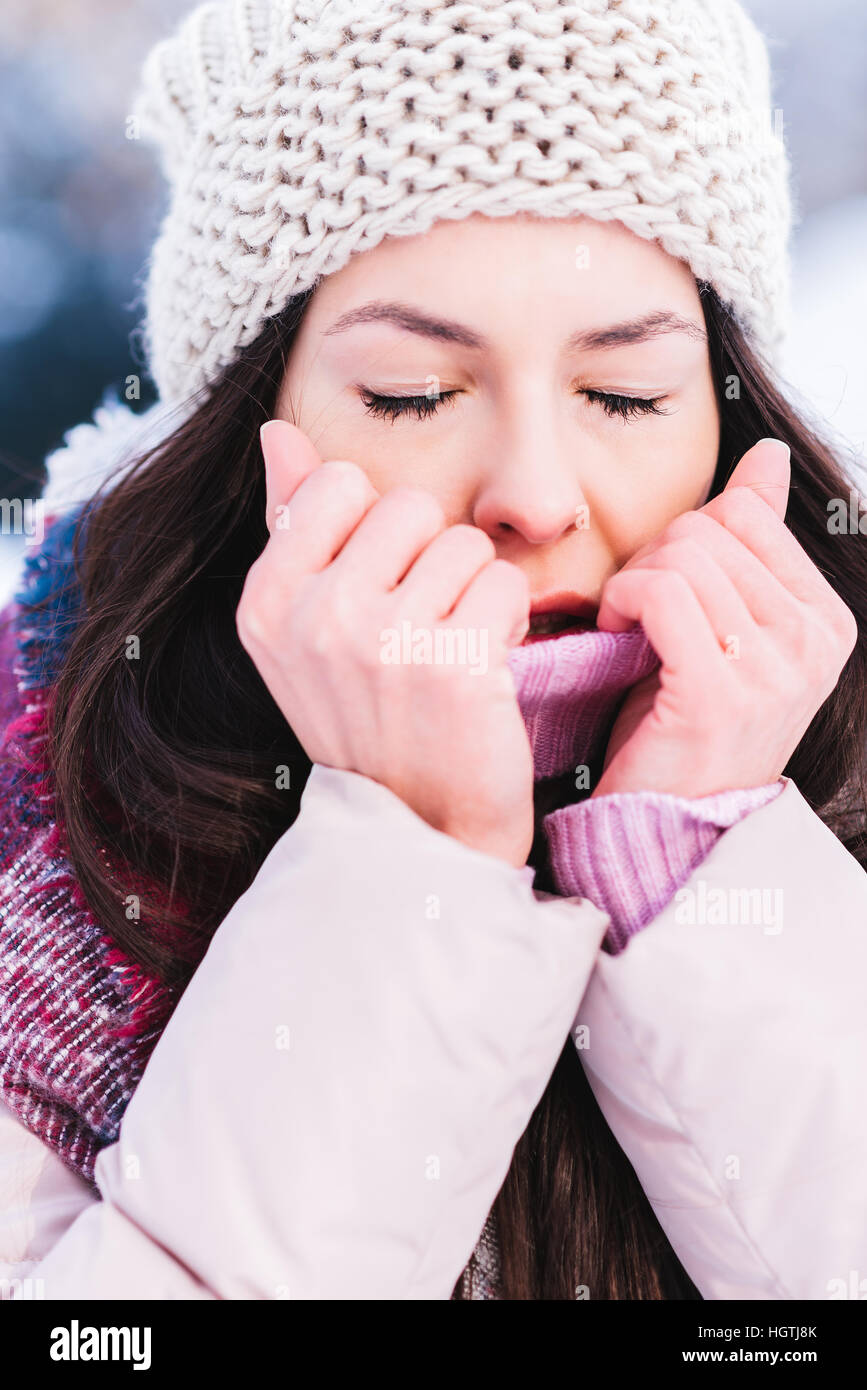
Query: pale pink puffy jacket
x,y
425,991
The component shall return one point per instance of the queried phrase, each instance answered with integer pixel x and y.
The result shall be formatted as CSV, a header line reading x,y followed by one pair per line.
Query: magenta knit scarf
x,y
570,687
78,1019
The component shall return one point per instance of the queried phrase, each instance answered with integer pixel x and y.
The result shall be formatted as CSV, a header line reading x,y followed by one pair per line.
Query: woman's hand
x,y
343,568
751,639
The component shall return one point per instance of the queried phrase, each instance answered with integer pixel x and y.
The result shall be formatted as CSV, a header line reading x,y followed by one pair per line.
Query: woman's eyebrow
x,y
412,320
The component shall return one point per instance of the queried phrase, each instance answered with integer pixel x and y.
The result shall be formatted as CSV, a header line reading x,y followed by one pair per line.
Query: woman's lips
x,y
541,632
557,615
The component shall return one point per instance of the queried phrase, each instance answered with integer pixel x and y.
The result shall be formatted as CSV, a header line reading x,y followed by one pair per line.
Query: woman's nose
x,y
532,490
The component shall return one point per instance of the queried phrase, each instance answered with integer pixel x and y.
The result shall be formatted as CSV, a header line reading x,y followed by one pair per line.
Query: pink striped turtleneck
x,y
628,852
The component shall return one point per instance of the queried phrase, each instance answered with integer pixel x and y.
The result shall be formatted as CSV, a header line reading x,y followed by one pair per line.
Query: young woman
x,y
436,845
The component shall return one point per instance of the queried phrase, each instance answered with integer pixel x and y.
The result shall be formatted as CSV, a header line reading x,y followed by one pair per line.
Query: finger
x,y
760,589
723,606
674,621
402,523
770,540
766,470
497,600
326,507
289,457
441,573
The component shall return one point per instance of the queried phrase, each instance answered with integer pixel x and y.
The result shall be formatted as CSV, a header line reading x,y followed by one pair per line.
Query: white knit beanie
x,y
297,132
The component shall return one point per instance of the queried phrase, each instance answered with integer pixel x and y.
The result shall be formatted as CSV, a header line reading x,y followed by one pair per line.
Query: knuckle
x,y
821,641
343,622
256,612
473,539
793,628
509,577
351,479
686,551
421,504
813,647
319,639
738,504
332,604
317,628
845,626
341,470
669,585
824,656
684,526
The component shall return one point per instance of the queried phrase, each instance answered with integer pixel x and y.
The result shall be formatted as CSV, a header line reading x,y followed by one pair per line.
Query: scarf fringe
x,y
39,1078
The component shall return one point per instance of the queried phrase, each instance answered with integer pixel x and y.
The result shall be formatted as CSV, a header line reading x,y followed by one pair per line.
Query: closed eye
x,y
625,406
390,407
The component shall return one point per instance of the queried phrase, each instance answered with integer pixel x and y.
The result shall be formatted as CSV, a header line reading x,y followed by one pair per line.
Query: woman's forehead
x,y
483,280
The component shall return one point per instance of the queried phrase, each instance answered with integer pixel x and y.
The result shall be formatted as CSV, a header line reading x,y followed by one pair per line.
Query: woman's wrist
x,y
680,784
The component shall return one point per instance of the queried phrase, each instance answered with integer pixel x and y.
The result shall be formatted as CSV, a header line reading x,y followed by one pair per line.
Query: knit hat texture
x,y
295,133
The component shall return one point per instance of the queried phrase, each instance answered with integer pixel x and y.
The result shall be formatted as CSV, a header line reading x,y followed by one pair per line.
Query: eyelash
x,y
390,407
627,407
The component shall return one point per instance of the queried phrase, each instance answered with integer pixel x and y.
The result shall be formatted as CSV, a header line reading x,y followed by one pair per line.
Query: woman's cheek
x,y
654,479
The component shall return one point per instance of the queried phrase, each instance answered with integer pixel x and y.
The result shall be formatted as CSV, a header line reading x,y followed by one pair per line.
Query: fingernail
x,y
263,429
780,443
263,444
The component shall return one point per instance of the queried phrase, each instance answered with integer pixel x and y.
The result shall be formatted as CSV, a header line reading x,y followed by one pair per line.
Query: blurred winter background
x,y
80,204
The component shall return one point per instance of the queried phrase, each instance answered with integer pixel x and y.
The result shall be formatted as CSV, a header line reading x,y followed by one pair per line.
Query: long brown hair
x,y
169,760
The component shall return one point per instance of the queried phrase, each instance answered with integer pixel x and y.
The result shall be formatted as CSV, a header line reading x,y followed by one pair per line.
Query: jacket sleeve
x,y
334,1103
727,1048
